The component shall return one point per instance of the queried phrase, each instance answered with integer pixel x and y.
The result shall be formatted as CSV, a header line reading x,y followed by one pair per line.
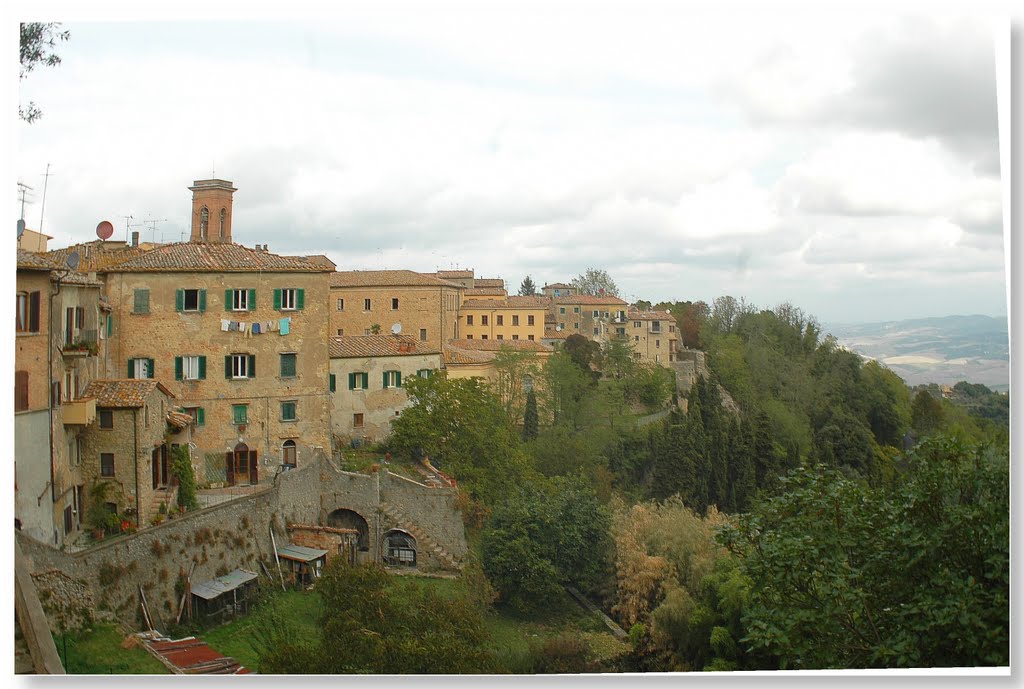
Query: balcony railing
x,y
79,412
84,344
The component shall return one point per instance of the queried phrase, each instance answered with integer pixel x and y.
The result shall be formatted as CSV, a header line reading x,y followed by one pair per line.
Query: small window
x,y
469,337
561,309
197,414
140,368
394,303
107,464
515,320
515,337
288,411
366,304
240,413
392,379
501,320
575,309
106,419
576,326
341,332
637,324
483,337
529,320
21,312
423,334
469,319
239,366
288,365
597,314
424,373
341,305
620,331
636,338
288,453
289,299
190,368
595,331
240,299
358,381
657,344
500,337
141,304
483,320
190,299
357,420
530,338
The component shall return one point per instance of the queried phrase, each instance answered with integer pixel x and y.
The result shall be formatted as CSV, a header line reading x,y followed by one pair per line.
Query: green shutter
x,y
202,300
398,379
277,300
141,301
300,299
252,365
227,300
384,383
366,380
110,324
333,383
178,375
252,300
202,368
200,417
351,381
227,366
179,300
131,368
151,369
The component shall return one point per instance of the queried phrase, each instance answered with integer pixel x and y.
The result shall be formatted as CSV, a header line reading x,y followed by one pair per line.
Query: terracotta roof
x,y
650,316
556,334
386,278
123,392
321,259
97,254
448,274
485,291
589,299
558,285
215,257
507,303
460,356
361,346
28,260
179,419
489,282
496,345
71,278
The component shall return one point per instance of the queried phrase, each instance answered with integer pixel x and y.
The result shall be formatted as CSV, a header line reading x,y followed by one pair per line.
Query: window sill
x,y
289,420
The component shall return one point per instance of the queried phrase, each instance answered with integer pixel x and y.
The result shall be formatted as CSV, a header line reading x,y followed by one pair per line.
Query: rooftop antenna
x,y
23,189
153,228
42,209
127,227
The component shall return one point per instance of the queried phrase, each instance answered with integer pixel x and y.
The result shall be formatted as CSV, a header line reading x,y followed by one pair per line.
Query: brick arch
x,y
344,518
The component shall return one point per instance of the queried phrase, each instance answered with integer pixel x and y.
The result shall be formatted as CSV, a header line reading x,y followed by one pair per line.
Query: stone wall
x,y
104,581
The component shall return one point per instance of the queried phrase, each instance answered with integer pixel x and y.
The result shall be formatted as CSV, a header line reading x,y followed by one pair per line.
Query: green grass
x,y
99,652
298,609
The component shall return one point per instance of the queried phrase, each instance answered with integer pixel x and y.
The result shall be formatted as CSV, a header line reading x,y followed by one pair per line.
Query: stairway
x,y
424,542
167,496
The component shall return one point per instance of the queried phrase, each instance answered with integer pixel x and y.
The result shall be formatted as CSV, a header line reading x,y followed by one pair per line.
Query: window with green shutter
x,y
288,411
288,365
289,299
140,368
141,301
239,413
190,368
358,381
333,383
240,300
392,379
190,300
424,373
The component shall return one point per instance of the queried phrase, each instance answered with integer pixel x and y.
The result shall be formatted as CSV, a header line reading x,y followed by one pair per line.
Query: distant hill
x,y
935,350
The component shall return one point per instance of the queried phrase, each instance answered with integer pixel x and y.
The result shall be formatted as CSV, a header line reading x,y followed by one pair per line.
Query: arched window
x,y
223,218
399,548
288,453
204,222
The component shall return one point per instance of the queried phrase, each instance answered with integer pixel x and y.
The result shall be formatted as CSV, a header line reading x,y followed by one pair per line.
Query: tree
x,y
595,282
531,420
38,42
926,413
181,469
527,288
566,394
917,575
514,368
584,352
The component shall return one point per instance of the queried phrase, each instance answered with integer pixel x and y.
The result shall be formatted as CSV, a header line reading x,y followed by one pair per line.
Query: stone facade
x,y
511,318
424,306
652,335
248,392
582,314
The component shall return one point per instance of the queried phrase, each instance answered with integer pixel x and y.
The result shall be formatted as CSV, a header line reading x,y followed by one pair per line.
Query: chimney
x,y
135,238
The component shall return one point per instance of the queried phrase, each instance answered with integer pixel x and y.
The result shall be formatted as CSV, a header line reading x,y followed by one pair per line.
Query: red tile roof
x,y
215,257
96,255
489,282
28,260
507,303
497,345
485,291
124,392
362,346
650,316
589,299
386,278
449,274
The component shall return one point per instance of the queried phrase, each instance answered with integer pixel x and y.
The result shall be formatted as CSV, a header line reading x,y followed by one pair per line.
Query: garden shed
x,y
223,597
303,564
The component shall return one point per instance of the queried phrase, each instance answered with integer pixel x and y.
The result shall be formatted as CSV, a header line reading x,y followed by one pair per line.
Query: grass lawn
x,y
99,652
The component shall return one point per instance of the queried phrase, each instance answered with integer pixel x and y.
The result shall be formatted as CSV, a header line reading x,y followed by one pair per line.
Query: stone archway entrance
x,y
348,519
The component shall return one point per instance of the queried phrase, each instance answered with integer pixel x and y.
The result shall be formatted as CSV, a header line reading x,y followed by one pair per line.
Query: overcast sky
x,y
848,164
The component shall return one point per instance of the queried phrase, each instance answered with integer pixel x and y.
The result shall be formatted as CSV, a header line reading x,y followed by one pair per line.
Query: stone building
x,y
129,445
651,334
367,374
509,319
475,358
558,289
237,334
59,347
371,302
587,315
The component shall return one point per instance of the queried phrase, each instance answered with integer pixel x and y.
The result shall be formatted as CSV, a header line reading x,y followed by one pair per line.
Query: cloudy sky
x,y
846,163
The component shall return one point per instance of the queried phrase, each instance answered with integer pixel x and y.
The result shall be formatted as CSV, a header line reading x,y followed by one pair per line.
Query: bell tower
x,y
211,210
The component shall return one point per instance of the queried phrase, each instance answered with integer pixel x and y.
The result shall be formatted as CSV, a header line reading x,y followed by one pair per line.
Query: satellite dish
x,y
558,328
396,328
105,229
21,227
73,260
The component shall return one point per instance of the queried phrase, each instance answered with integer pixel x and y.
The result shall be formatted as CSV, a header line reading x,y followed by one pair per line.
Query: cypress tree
x,y
531,422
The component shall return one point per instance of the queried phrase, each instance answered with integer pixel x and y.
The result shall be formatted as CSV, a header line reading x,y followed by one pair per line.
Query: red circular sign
x,y
104,230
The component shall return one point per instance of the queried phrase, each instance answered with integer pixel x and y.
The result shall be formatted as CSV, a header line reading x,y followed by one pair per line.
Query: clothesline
x,y
281,326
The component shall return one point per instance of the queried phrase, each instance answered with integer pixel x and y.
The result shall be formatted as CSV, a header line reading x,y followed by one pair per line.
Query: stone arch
x,y
399,548
349,519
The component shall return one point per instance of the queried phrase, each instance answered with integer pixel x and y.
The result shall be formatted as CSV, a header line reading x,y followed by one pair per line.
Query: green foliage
x,y
97,516
527,288
181,469
926,414
595,282
546,535
38,42
531,421
513,369
913,575
583,352
99,651
566,396
461,425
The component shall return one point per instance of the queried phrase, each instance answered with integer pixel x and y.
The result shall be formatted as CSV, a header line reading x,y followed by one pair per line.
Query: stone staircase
x,y
168,497
424,542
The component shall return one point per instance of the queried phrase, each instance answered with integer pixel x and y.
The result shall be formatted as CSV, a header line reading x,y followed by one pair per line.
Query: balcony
x,y
83,345
79,412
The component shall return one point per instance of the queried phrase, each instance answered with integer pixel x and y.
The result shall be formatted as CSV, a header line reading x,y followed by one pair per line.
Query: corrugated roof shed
x,y
208,590
300,553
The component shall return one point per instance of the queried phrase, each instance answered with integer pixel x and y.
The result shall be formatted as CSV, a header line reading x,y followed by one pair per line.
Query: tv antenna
x,y
42,209
127,227
23,190
153,228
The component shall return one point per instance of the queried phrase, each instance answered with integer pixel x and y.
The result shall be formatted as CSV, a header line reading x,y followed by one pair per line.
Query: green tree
x,y
584,352
516,371
531,421
527,288
181,469
849,576
38,44
926,414
566,395
595,282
